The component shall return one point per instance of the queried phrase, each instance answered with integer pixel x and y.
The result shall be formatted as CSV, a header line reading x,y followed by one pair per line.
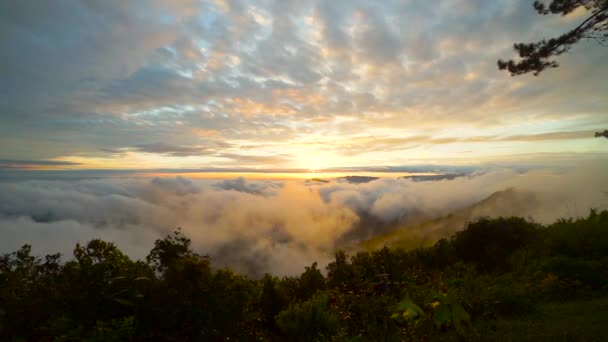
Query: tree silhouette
x,y
536,57
490,270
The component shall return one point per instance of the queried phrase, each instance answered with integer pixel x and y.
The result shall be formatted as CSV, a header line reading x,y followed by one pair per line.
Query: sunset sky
x,y
289,85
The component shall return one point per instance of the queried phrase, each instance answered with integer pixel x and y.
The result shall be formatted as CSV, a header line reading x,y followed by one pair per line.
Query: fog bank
x,y
271,226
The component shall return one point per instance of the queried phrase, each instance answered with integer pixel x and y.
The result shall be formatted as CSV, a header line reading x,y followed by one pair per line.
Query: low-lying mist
x,y
255,227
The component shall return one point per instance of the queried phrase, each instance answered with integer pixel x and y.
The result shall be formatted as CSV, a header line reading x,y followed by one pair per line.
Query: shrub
x,y
310,320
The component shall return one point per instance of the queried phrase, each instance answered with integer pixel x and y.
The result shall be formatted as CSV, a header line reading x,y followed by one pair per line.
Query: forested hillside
x,y
493,280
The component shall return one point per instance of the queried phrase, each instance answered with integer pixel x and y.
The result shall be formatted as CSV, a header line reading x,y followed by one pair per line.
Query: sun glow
x,y
317,176
315,160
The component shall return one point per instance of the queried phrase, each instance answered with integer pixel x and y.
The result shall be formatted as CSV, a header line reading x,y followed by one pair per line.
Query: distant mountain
x,y
358,179
418,234
318,180
367,179
430,178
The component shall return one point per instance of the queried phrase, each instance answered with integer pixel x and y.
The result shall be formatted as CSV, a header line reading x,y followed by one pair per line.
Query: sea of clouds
x,y
258,226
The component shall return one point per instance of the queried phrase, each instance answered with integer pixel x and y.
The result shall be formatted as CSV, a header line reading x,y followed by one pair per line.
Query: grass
x,y
579,320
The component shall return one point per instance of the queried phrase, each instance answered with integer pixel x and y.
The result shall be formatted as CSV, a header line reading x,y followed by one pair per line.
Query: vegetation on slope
x,y
419,233
497,279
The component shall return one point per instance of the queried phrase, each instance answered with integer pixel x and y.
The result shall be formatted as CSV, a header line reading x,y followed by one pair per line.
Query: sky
x,y
282,86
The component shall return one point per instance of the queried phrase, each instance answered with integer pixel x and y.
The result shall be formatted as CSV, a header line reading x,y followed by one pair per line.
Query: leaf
x,y
459,313
117,278
119,292
450,299
410,310
460,317
124,301
442,315
410,314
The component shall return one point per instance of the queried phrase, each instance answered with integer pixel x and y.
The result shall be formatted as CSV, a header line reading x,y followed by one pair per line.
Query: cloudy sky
x,y
286,84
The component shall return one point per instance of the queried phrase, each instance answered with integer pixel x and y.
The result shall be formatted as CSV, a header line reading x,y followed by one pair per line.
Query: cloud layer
x,y
282,83
271,226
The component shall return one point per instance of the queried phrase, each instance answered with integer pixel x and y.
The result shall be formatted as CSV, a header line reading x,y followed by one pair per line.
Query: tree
x,y
310,282
271,301
169,251
488,243
538,56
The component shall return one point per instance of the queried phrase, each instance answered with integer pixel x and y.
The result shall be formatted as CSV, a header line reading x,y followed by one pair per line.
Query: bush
x,y
585,237
508,296
310,320
490,243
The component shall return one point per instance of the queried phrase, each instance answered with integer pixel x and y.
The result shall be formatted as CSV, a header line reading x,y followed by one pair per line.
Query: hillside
x,y
508,203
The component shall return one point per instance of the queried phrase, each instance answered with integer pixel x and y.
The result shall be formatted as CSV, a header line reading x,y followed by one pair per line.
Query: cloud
x,y
251,74
241,184
280,227
51,62
178,151
220,151
550,136
8,164
258,160
294,218
178,185
359,145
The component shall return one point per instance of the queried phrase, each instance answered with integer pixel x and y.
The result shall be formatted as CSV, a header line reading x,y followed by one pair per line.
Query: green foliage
x,y
573,320
170,251
340,273
271,302
114,330
584,237
586,272
310,320
366,316
448,312
508,296
489,243
407,312
494,271
310,282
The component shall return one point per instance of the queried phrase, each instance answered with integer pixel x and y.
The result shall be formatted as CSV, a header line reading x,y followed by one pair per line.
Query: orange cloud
x,y
300,96
206,133
250,107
